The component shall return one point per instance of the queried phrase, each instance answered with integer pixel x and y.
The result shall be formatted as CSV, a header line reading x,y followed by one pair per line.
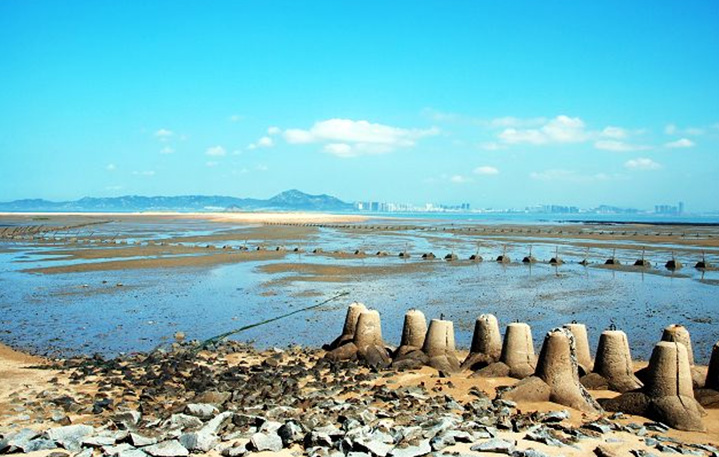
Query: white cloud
x,y
111,167
496,123
571,176
616,133
459,179
236,118
339,149
561,129
486,170
274,130
618,146
265,142
492,146
216,151
262,167
642,163
298,136
166,150
362,137
164,135
516,122
212,163
672,129
144,173
680,143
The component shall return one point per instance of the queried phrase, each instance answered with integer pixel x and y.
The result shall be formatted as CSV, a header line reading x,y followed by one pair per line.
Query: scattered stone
x,y
201,410
496,445
172,448
266,442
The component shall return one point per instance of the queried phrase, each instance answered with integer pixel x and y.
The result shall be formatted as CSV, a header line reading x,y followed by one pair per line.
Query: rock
x,y
496,445
201,440
69,436
182,421
39,444
270,427
266,442
14,441
127,419
171,448
99,441
128,453
201,410
290,433
138,440
412,451
114,450
218,422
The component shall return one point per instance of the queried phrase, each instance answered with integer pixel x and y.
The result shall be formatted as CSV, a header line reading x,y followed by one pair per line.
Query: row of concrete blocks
x,y
670,389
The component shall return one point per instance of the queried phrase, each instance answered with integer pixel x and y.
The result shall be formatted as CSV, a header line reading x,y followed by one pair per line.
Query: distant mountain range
x,y
291,200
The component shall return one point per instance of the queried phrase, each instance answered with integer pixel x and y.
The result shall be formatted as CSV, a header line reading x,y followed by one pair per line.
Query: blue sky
x,y
499,104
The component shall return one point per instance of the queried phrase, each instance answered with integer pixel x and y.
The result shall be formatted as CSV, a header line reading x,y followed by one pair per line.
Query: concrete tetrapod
x,y
367,344
667,395
709,395
581,340
486,343
409,355
439,346
613,367
680,334
348,330
557,376
517,359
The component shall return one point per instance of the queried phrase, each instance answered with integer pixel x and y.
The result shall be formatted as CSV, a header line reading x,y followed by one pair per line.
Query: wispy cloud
x,y
486,170
216,151
111,167
144,173
167,150
619,146
350,138
212,163
274,130
459,179
236,118
680,143
673,129
642,163
571,176
164,134
561,129
264,142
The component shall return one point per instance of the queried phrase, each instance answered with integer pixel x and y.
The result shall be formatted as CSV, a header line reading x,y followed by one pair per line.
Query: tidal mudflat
x,y
131,282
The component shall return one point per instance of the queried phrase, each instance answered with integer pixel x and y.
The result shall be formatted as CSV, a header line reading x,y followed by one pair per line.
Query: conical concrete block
x,y
368,331
558,370
367,344
409,355
667,395
486,343
517,358
348,330
439,346
518,350
712,381
581,340
679,334
613,367
708,397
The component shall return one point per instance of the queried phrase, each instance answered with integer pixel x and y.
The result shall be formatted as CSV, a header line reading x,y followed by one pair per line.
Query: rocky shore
x,y
233,400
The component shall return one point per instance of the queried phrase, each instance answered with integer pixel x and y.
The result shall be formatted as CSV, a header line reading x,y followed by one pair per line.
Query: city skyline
x,y
504,105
